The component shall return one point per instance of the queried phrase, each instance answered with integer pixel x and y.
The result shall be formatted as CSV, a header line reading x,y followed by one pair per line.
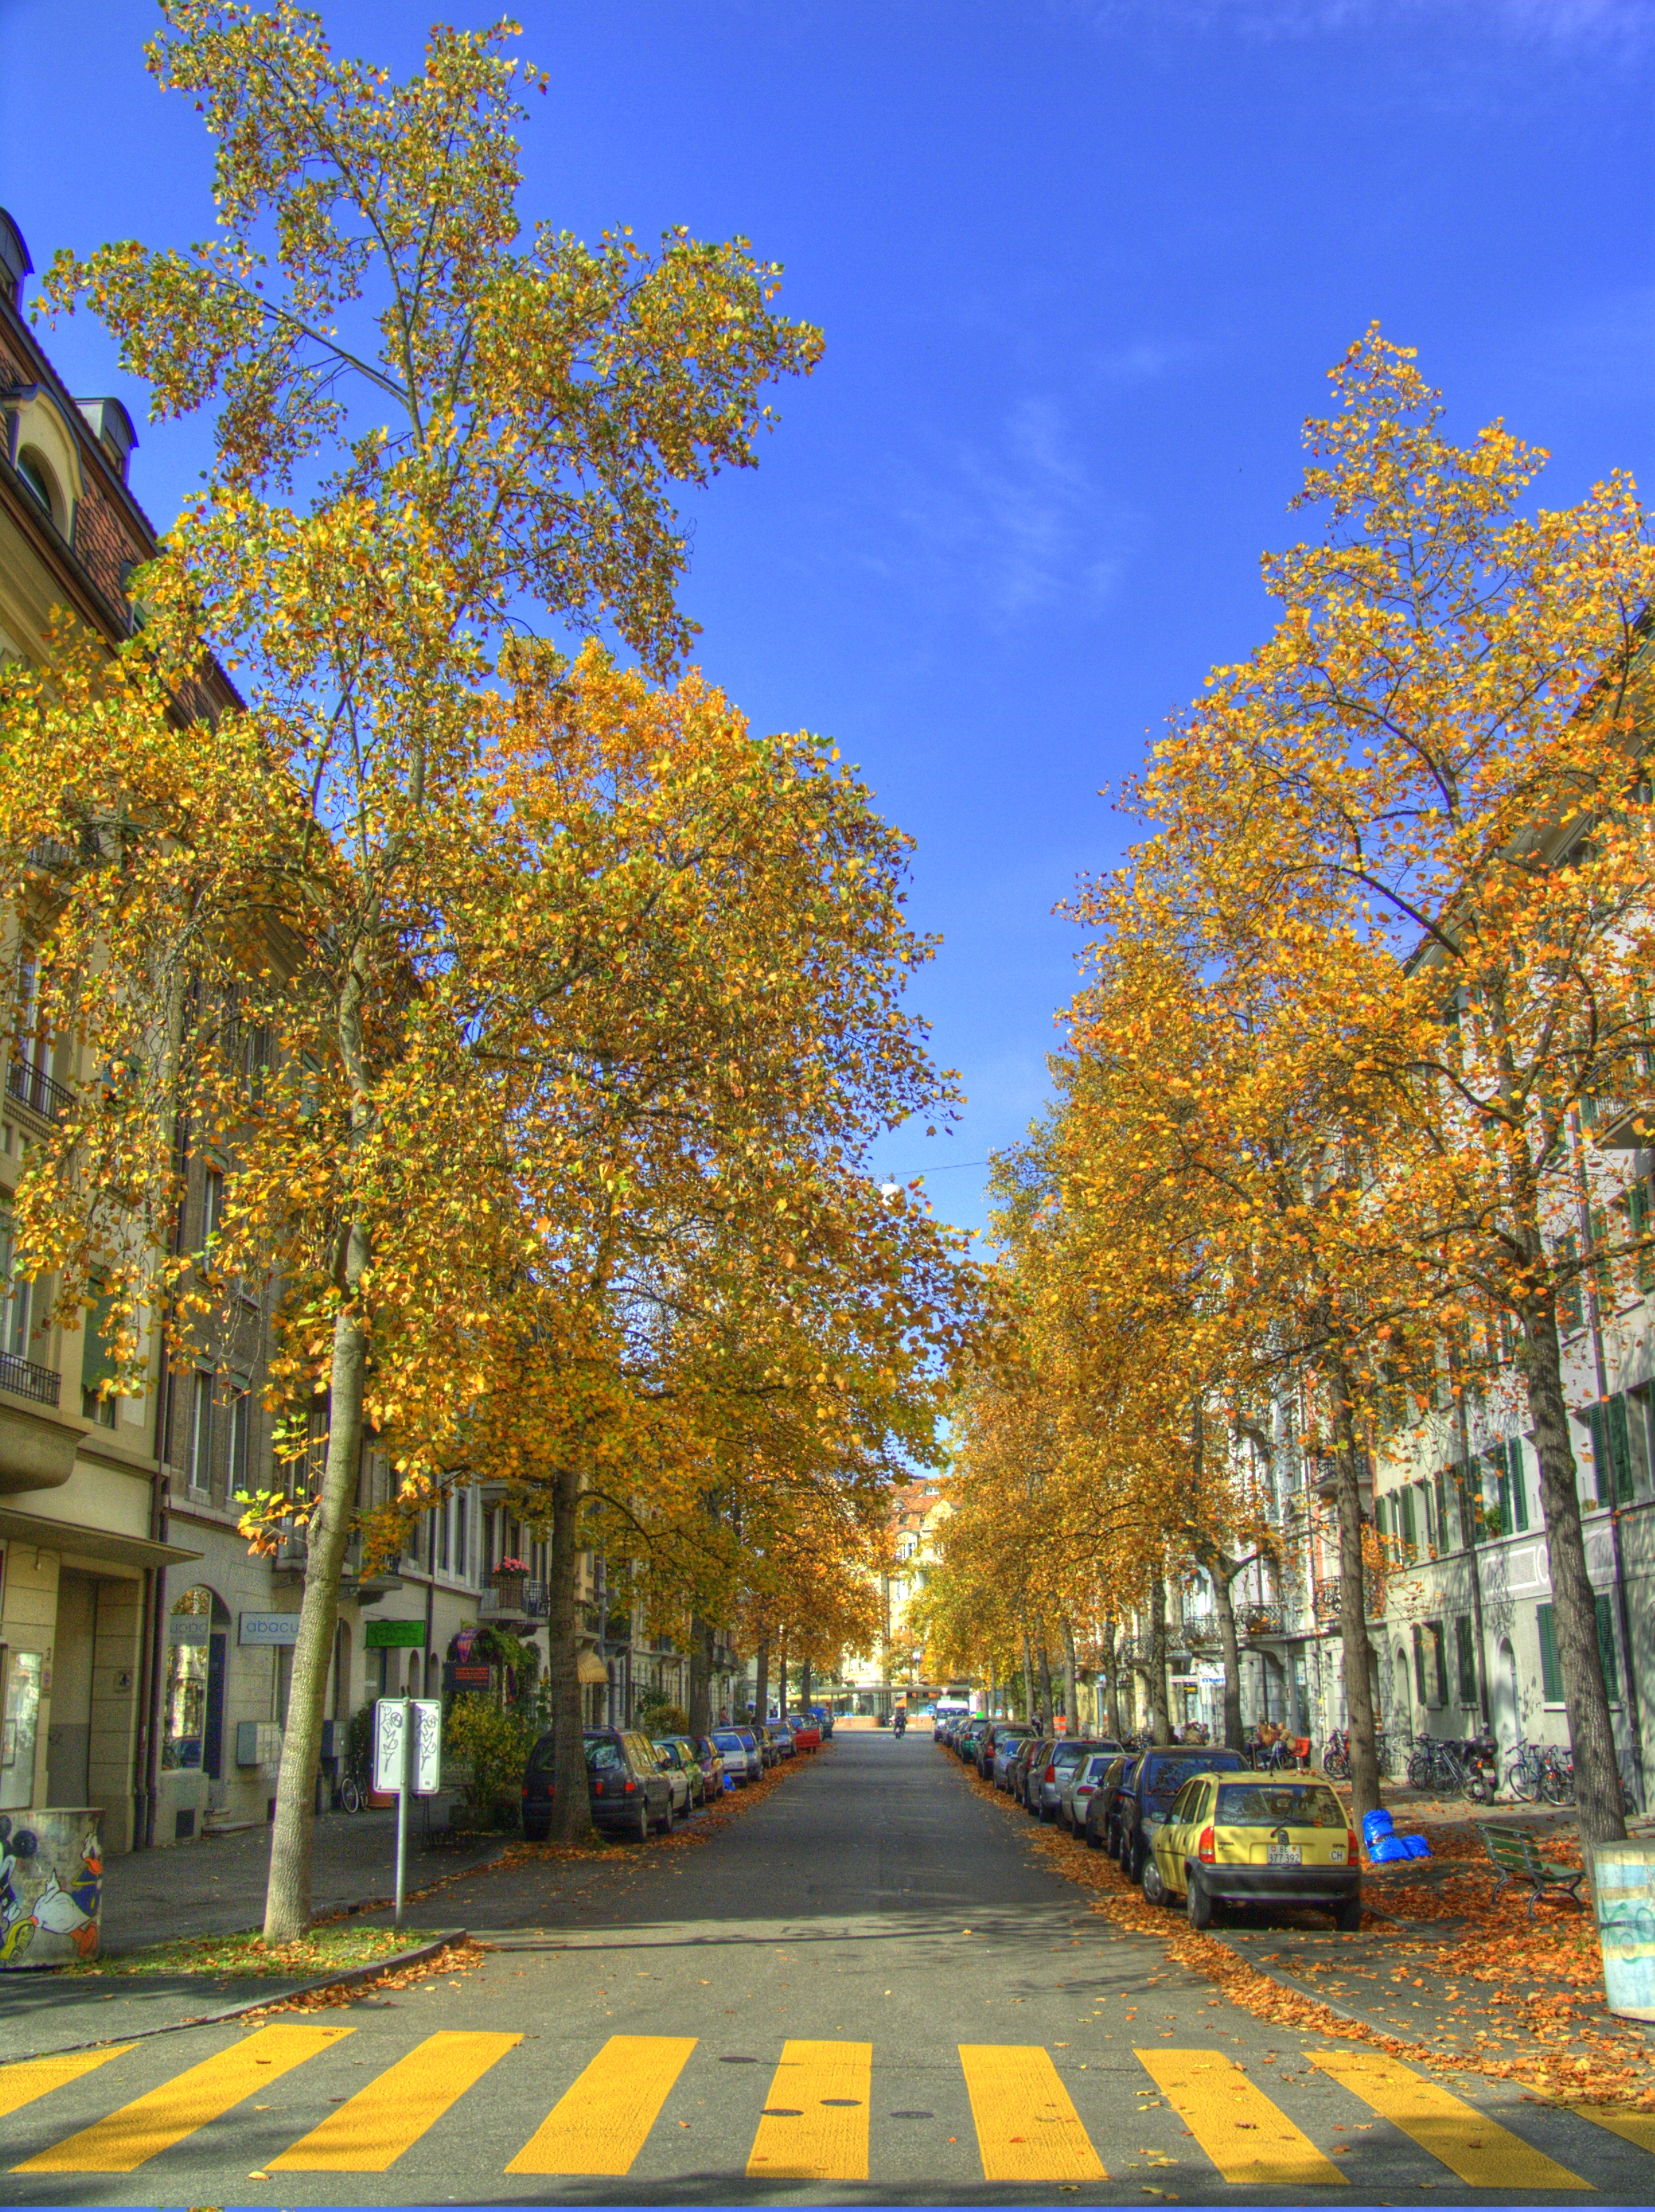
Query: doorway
x,y
69,1739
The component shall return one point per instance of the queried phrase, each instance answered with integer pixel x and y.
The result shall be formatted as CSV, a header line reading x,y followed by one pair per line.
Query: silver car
x,y
1008,1742
743,1761
1046,1781
671,1759
1076,1784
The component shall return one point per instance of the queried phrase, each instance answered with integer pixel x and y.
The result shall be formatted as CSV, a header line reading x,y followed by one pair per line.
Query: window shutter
x,y
1619,1448
1551,1674
1465,1639
1606,1650
1423,1694
1520,1495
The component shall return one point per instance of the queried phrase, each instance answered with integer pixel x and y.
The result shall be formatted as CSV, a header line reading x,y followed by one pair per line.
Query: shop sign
x,y
267,1628
1209,1674
395,1636
458,1677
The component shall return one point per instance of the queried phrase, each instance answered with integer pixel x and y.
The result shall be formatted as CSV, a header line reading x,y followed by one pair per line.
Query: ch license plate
x,y
1286,1855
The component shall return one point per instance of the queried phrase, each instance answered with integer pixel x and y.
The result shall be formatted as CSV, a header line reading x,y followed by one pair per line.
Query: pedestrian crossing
x,y
816,2121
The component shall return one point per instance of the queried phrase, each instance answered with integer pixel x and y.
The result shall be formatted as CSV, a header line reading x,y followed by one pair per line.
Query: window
x,y
14,1335
1551,1674
1640,1220
200,1459
98,1364
1465,1645
241,1438
1428,1518
445,1515
212,1207
1430,1669
1513,1506
1614,1451
1411,1533
1606,1650
462,1516
38,482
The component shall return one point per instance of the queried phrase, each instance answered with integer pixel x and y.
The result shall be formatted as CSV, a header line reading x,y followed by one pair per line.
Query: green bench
x,y
1515,1858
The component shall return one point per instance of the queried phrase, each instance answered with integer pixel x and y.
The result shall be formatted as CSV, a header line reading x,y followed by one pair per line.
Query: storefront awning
x,y
589,1667
89,1543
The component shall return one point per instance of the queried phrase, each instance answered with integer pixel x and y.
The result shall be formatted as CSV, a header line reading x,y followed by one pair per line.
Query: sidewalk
x,y
217,1884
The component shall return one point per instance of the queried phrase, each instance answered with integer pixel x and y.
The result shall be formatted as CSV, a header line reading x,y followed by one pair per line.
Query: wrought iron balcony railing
x,y
1261,1621
42,1094
514,1597
29,1379
1328,1598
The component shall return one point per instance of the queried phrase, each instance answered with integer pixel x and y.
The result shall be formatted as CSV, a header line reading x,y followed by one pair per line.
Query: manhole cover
x,y
783,2112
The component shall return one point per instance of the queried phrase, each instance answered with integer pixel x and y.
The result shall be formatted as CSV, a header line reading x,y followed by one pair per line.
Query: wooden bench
x,y
1515,1858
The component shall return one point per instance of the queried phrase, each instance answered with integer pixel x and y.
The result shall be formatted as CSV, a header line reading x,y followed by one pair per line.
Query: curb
x,y
346,1977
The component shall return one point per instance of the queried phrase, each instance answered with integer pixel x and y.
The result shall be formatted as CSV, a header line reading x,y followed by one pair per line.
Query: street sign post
x,y
408,1759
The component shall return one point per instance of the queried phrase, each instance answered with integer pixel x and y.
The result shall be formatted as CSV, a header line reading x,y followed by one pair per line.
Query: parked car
x,y
627,1787
824,1718
1047,1782
1146,1797
1008,1742
807,1732
1078,1781
685,1756
983,1744
1098,1823
1017,1773
677,1780
712,1764
1236,1838
743,1761
782,1736
970,1737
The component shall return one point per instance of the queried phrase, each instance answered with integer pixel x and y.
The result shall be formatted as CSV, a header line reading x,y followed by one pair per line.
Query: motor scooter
x,y
899,1726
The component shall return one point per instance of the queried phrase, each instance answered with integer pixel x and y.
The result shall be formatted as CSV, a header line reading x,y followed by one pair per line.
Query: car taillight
x,y
1206,1849
1353,1850
630,1787
1052,1774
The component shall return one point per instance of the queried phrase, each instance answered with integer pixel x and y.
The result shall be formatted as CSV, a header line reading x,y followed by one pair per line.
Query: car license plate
x,y
1286,1855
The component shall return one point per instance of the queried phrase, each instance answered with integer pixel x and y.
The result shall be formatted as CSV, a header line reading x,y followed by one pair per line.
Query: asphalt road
x,y
865,1992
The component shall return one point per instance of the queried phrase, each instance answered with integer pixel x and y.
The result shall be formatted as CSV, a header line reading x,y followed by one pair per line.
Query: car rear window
x,y
1098,1764
604,1756
1278,1805
730,1742
1165,1772
1065,1754
544,1757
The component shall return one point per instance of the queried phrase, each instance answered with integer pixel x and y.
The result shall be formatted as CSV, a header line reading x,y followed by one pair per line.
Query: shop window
x,y
1551,1673
189,1630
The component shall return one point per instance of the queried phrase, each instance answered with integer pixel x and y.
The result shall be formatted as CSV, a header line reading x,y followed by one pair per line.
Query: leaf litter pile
x,y
1505,1996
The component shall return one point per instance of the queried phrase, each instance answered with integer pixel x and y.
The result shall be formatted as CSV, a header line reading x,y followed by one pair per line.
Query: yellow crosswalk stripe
x,y
1248,2138
601,2122
1634,2127
179,2107
370,2132
22,2084
1027,2128
815,2125
1484,2154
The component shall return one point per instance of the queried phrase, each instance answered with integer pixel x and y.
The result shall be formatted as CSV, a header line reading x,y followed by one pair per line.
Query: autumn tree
x,y
1439,754
487,430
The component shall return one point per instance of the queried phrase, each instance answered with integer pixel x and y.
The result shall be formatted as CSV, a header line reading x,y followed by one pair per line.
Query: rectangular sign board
x,y
396,1720
395,1636
268,1628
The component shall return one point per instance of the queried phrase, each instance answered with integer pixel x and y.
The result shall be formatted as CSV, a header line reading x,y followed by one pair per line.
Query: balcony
x,y
28,1379
514,1597
1329,1599
42,1094
1200,1631
1261,1621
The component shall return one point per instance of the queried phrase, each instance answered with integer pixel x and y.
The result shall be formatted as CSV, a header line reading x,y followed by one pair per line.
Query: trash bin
x,y
1623,1894
51,1886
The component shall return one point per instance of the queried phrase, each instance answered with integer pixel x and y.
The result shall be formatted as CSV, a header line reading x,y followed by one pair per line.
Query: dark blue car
x,y
1146,1795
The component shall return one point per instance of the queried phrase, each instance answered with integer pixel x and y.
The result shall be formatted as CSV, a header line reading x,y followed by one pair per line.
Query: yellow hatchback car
x,y
1257,1839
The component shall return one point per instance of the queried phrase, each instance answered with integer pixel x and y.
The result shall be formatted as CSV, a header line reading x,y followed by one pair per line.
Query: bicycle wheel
x,y
1556,1787
1520,1782
1419,1771
350,1798
1337,1765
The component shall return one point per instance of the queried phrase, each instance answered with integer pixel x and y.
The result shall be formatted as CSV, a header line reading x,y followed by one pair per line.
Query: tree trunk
x,y
804,1688
1028,1679
286,1890
571,1809
1047,1712
1360,1718
1575,1609
1071,1694
1230,1645
1161,1722
701,1676
1111,1681
762,1679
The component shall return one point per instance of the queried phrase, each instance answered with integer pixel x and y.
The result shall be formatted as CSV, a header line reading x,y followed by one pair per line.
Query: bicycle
x,y
1335,1759
1439,1763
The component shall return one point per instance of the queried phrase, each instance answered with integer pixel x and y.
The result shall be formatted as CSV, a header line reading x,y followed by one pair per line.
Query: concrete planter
x,y
51,1888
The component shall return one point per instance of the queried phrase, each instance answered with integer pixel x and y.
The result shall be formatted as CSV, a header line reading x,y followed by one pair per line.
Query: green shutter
x,y
1619,1448
1465,1640
1440,1661
1595,1488
1639,1211
1410,1534
1551,1674
1606,1646
1421,1692
1520,1493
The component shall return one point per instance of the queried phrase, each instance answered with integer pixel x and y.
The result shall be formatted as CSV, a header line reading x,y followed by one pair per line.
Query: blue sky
x,y
1082,265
